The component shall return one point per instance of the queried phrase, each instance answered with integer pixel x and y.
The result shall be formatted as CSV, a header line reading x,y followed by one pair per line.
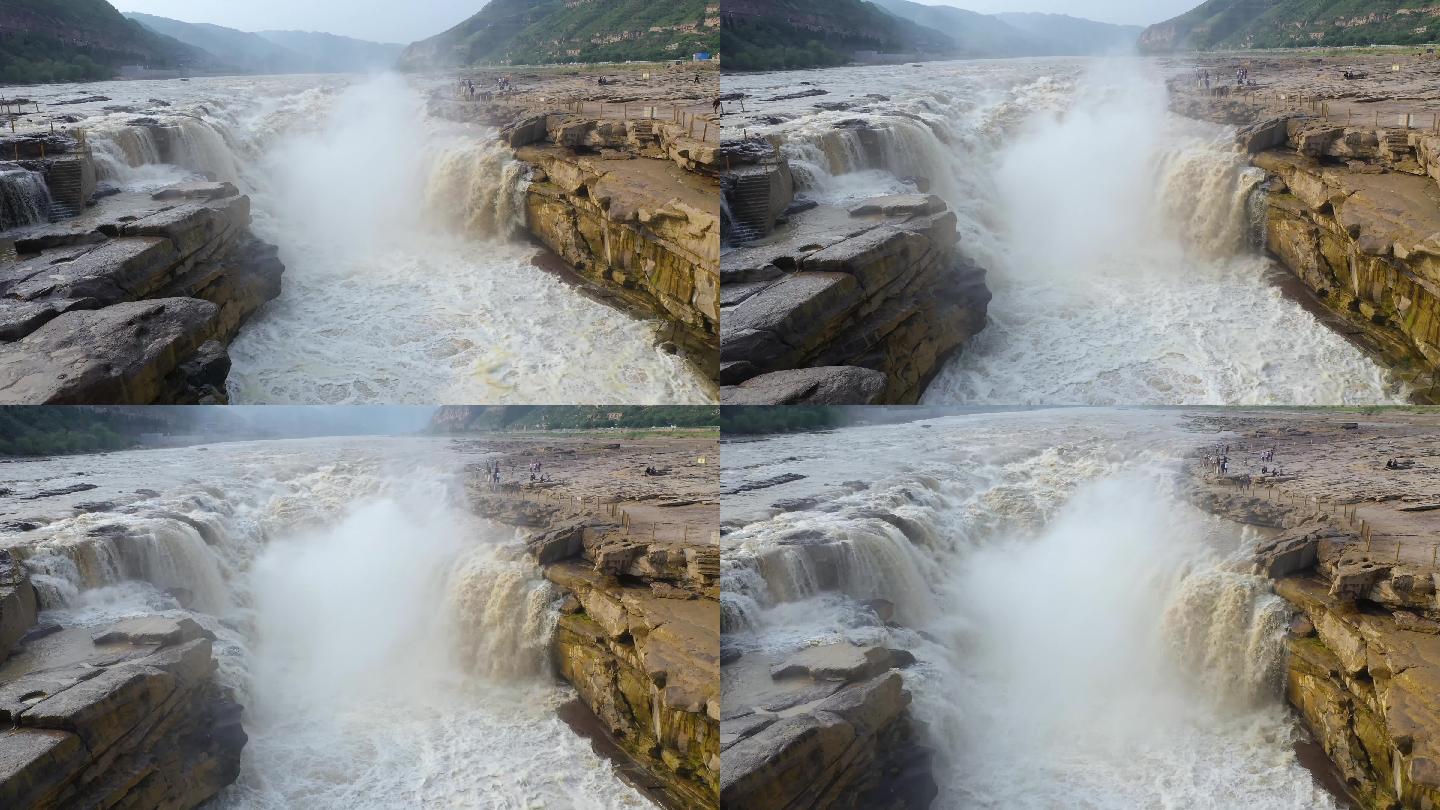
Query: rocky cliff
x,y
648,229
622,188
638,631
1354,213
1357,565
128,717
857,306
133,301
830,727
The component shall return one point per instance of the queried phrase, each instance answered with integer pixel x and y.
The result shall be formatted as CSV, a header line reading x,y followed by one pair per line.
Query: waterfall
x,y
1118,237
476,188
390,648
24,198
1085,636
504,613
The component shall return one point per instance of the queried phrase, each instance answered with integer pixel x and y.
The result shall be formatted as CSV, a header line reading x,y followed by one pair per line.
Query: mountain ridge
x,y
78,40
275,51
1245,24
507,32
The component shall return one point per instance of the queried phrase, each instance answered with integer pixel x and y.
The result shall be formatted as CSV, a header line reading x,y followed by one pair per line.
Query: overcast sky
x,y
375,20
1125,12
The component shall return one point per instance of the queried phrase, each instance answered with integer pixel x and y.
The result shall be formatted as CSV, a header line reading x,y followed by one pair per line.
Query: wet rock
x,y
891,297
815,91
145,728
839,754
842,662
832,385
161,630
18,604
120,354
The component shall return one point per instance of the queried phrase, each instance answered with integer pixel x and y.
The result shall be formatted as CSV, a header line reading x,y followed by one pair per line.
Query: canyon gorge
x,y
362,622
1076,608
1041,231
223,239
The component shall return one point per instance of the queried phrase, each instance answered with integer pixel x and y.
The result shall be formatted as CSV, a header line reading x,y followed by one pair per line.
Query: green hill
x,y
76,40
789,34
1240,24
550,31
1061,34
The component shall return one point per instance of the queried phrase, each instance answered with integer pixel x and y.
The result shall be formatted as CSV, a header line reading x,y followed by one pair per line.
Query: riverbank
x,y
1352,202
623,182
637,556
429,246
1349,538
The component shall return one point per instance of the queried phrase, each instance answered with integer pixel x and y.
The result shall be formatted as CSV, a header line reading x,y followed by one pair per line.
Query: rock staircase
x,y
65,178
750,207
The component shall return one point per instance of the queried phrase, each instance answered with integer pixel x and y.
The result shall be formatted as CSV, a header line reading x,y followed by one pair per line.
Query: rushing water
x,y
388,646
1118,237
24,198
404,282
1085,638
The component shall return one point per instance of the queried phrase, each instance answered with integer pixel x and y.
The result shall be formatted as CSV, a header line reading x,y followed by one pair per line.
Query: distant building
x,y
703,56
615,417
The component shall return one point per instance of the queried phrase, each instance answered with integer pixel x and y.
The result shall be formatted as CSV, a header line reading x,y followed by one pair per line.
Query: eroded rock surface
x,y
638,556
832,294
134,301
136,720
1358,568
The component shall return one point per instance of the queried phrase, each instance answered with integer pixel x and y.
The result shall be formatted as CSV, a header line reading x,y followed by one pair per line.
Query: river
x,y
1085,637
403,283
389,647
1120,239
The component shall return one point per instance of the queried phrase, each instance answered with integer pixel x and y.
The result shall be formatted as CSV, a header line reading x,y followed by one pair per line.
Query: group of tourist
x,y
468,91
538,474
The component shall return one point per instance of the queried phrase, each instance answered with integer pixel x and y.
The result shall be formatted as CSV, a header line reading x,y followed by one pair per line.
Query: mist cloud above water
x,y
376,20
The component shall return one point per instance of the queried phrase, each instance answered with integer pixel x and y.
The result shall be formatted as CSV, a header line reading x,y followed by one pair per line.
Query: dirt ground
x,y
679,505
1341,459
1386,84
662,91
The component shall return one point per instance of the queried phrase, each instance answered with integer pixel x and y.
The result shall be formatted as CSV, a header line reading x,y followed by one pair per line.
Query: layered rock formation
x,y
637,635
133,301
622,188
1354,212
831,729
129,718
646,229
1363,669
857,306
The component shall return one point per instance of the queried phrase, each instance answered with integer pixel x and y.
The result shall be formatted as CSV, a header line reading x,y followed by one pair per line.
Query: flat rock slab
x,y
162,630
899,205
119,355
197,191
841,661
825,385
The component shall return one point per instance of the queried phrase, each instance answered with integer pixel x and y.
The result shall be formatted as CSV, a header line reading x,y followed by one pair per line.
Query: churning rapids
x,y
403,284
1119,238
1085,638
389,647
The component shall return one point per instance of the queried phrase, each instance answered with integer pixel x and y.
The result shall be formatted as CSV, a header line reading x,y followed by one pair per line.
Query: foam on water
x,y
1116,235
390,649
404,282
1085,638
